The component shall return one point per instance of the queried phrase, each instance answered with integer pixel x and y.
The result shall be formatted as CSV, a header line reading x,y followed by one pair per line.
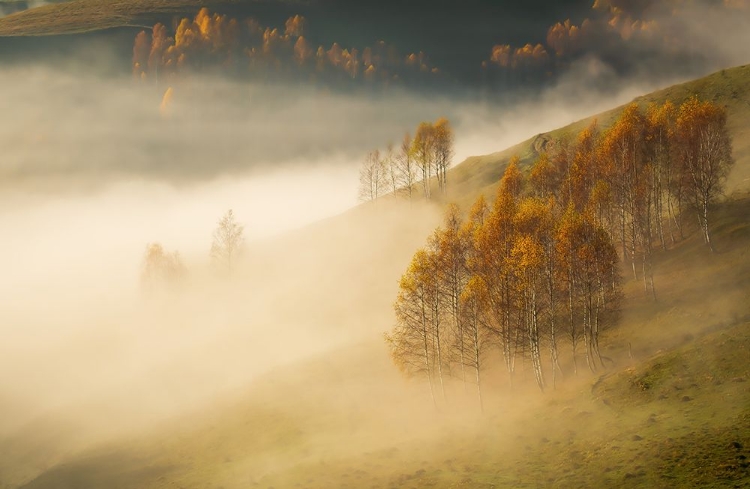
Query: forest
x,y
540,270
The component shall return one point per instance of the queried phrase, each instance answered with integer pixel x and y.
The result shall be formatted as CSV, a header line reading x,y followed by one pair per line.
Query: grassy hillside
x,y
730,88
671,411
78,16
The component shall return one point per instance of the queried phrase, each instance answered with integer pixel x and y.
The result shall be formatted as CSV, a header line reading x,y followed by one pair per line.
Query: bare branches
x,y
426,156
227,242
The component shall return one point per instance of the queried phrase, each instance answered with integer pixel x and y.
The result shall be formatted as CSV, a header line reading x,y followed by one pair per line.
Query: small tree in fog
x,y
406,165
227,244
443,141
161,268
373,177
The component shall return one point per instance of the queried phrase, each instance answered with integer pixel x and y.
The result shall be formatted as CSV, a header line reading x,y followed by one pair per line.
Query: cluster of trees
x,y
638,177
164,269
246,47
400,171
518,275
541,266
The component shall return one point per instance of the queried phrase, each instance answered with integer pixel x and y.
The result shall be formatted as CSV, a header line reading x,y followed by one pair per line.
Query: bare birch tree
x,y
372,177
227,243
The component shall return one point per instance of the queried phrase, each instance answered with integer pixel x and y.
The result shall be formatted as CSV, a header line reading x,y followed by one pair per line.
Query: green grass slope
x,y
77,16
730,88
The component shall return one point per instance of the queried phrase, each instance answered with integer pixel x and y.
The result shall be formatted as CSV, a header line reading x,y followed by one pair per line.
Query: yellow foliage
x,y
165,102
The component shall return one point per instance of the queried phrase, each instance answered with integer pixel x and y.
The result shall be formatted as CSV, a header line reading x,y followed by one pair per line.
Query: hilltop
x,y
78,16
729,88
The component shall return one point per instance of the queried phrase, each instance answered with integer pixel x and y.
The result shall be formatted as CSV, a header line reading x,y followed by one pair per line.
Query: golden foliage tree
x,y
704,152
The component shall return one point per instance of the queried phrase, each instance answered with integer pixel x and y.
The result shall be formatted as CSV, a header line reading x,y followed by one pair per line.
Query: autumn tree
x,y
492,264
443,141
660,130
423,149
416,341
704,152
536,266
161,268
544,178
664,153
391,170
406,166
476,332
473,305
588,270
227,243
528,265
453,275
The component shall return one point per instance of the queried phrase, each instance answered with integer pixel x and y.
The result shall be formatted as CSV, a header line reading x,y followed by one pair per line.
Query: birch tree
x,y
406,166
453,274
443,141
372,177
423,149
417,342
228,239
704,151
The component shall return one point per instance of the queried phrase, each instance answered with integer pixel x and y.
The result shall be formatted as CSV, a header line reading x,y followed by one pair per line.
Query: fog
x,y
94,168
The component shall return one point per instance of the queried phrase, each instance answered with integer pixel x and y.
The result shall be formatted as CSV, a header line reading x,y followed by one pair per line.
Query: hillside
x,y
79,16
730,88
671,410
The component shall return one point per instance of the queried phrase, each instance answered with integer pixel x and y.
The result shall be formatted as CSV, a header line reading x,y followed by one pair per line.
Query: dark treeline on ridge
x,y
539,267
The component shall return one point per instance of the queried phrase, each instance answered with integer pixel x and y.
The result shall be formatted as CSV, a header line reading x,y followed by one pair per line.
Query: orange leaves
x,y
209,40
499,275
165,102
505,56
302,50
141,50
564,38
512,179
704,155
544,177
295,26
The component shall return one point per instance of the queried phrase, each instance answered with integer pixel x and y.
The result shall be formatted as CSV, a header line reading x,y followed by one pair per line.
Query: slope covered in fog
x,y
289,382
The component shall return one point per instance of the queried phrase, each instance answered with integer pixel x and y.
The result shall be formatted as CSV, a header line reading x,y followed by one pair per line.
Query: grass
x,y
79,16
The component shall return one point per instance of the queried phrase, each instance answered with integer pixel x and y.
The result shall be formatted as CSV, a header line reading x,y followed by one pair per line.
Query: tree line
x,y
539,268
212,41
409,169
